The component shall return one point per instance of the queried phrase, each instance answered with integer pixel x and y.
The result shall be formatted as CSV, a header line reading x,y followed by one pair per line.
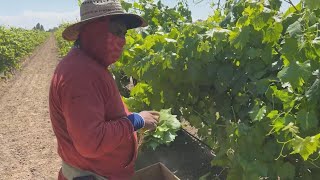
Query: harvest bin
x,y
186,158
155,172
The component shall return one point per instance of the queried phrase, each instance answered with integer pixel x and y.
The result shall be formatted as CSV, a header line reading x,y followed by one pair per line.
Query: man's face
x,y
104,39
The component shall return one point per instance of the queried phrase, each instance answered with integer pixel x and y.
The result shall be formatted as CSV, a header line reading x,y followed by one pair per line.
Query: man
x,y
96,134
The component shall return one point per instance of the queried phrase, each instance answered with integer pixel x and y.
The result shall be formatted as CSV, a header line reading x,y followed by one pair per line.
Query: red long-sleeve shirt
x,y
89,118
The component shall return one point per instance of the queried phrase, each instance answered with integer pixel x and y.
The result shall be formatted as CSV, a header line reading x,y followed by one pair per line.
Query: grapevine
x,y
16,43
64,46
247,78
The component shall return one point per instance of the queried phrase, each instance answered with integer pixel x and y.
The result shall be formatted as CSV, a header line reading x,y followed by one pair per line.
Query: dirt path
x,y
28,145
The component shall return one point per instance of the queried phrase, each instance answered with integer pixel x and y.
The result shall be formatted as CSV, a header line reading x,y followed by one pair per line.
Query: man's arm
x,y
91,133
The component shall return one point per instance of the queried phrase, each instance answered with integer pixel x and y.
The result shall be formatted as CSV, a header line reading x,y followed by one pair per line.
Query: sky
x,y
51,13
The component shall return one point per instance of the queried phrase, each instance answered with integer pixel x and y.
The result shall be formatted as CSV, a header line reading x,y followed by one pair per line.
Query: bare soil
x,y
28,144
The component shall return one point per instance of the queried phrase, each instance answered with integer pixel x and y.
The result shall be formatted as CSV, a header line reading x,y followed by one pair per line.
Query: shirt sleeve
x,y
84,112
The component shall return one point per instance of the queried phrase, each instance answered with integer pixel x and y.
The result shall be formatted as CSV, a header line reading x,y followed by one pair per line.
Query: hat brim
x,y
132,21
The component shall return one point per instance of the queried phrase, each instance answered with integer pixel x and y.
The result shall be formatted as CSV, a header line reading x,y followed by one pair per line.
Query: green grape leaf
x,y
139,89
307,119
204,46
254,53
133,104
243,21
169,137
257,113
287,98
296,74
305,147
289,49
273,33
240,37
273,114
291,128
169,120
165,132
293,9
312,4
266,54
158,133
275,4
278,124
126,6
262,86
313,92
295,29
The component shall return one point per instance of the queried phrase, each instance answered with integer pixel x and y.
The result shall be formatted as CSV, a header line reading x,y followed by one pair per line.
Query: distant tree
x,y
39,27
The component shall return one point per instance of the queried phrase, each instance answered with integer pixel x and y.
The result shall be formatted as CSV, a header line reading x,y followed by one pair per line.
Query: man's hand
x,y
151,119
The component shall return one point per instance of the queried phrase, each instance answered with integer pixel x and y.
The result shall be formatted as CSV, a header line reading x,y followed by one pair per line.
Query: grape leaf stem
x,y
290,2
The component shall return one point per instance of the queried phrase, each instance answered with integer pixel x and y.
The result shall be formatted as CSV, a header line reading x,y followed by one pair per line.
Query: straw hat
x,y
93,9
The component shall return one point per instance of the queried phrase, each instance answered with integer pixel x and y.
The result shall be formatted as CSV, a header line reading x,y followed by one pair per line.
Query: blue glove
x,y
136,120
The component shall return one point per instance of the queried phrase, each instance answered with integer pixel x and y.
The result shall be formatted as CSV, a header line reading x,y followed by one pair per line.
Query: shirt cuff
x,y
137,121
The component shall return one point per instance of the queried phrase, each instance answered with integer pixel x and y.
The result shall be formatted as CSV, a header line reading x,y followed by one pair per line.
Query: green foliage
x,y
312,4
64,46
16,43
168,123
165,132
249,84
159,15
79,2
247,78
